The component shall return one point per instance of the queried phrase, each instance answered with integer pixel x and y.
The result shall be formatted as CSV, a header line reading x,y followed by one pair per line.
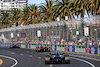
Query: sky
x,y
37,2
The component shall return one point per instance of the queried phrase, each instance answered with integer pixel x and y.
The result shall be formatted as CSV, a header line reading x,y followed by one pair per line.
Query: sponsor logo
x,y
92,50
39,45
70,48
98,50
60,48
53,47
77,49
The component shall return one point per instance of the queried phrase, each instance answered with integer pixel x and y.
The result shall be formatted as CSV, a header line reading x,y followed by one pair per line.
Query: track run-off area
x,y
30,58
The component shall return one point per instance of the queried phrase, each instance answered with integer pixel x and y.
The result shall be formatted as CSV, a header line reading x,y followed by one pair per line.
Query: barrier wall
x,y
61,47
54,47
98,50
23,45
33,46
5,45
80,49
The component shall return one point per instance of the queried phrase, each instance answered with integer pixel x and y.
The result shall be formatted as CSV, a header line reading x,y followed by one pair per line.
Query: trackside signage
x,y
81,49
53,47
98,50
23,45
60,47
33,46
3,45
71,48
7,45
93,49
28,45
39,45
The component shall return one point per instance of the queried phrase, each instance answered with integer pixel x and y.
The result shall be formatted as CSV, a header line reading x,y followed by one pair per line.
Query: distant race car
x,y
14,46
57,58
42,49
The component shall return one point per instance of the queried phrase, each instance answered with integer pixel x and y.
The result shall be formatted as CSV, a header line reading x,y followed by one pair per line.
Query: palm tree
x,y
63,8
96,6
16,15
5,19
81,6
34,14
25,15
46,10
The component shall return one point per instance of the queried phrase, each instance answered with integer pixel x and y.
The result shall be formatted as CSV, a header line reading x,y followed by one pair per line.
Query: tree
x,y
96,6
15,17
5,19
25,15
63,8
46,10
81,6
34,14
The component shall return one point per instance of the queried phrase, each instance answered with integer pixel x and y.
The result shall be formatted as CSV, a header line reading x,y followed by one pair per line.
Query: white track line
x,y
86,57
83,61
16,62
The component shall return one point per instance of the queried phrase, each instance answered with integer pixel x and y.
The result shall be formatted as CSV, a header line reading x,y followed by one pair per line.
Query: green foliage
x,y
49,11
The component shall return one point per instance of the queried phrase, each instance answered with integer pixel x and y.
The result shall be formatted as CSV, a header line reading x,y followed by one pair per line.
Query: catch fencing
x,y
70,30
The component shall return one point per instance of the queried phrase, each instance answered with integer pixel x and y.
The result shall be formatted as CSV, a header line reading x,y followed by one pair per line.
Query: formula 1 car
x,y
42,49
57,58
14,46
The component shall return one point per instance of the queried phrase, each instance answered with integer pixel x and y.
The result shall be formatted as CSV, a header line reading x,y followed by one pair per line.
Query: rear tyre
x,y
36,50
67,60
47,60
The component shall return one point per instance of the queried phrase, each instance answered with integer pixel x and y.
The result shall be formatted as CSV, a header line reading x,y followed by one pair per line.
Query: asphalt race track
x,y
30,58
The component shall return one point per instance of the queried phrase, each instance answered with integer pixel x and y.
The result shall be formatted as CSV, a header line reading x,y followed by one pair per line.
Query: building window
x,y
5,5
9,0
1,5
12,5
5,1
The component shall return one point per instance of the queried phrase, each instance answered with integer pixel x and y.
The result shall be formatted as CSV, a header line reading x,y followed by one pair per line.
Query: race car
x,y
57,58
42,49
14,46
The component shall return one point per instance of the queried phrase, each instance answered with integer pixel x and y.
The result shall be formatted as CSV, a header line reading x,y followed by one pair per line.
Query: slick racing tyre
x,y
67,60
47,60
36,50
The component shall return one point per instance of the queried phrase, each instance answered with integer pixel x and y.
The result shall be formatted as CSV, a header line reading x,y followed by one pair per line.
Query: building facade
x,y
10,4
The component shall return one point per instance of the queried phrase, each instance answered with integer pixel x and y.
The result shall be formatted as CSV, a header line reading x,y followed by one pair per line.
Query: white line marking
x,y
13,53
50,65
83,61
16,62
86,57
39,57
21,54
31,56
